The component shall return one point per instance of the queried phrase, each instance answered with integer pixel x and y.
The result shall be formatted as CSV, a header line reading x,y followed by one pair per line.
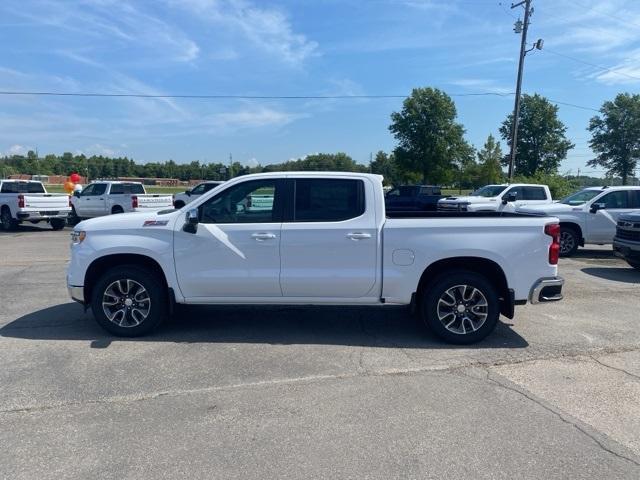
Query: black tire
x,y
475,322
569,241
635,265
123,324
117,209
73,219
58,223
179,204
7,223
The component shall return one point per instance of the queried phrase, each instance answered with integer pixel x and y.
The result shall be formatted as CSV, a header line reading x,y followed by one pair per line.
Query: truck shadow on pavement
x,y
616,274
387,327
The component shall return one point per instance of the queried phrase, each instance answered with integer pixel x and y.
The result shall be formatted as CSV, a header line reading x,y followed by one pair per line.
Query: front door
x,y
329,243
236,249
601,225
91,201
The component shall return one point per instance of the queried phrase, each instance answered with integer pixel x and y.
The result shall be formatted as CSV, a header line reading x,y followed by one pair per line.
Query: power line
x,y
235,97
607,69
260,97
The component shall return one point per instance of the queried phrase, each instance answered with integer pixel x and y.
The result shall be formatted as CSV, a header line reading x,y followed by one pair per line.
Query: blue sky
x,y
292,47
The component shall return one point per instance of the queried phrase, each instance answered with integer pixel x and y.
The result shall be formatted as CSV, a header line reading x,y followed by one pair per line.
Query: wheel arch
x,y
577,228
100,265
482,266
117,207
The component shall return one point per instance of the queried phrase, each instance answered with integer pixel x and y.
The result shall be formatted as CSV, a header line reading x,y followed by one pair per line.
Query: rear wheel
x,y
58,223
569,241
460,306
117,209
179,204
7,223
129,301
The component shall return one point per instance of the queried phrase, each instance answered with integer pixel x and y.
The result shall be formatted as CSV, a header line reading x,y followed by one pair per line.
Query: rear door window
x,y
328,200
613,200
534,193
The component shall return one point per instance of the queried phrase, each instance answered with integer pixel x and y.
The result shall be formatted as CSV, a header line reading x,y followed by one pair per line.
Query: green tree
x,y
489,159
542,144
430,141
615,136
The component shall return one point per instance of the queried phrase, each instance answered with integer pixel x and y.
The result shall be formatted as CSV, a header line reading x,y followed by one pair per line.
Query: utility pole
x,y
516,109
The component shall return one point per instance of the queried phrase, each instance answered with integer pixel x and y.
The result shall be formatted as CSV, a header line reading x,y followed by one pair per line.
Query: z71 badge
x,y
155,223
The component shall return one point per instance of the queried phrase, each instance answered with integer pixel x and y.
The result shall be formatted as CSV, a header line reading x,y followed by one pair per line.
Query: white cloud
x,y
17,150
268,29
250,118
252,162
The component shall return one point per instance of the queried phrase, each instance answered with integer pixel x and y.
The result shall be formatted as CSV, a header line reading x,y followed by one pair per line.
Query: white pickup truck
x,y
324,240
181,199
498,198
590,215
26,200
109,197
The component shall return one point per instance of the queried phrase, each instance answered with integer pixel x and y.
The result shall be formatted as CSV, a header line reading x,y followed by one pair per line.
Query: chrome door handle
x,y
358,235
260,237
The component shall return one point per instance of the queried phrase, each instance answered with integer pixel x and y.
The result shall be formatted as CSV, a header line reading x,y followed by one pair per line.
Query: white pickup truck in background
x,y
498,198
110,197
314,239
27,200
590,215
181,199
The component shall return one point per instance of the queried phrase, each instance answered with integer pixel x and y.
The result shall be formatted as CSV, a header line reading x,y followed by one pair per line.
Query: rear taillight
x,y
20,201
134,202
553,230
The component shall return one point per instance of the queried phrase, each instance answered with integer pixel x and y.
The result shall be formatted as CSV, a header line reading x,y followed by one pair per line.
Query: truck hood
x,y
127,221
551,208
469,199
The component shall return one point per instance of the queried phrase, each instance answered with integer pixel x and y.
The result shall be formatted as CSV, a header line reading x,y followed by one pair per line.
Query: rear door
x,y
329,239
235,251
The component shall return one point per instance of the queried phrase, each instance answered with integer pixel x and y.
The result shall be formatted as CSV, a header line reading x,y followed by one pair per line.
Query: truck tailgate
x,y
46,201
154,202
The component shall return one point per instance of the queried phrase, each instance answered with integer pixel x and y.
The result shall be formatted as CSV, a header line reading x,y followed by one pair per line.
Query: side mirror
x,y
76,193
509,197
191,222
188,192
597,206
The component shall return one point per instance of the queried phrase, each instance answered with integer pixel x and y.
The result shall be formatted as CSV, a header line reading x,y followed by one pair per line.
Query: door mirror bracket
x,y
191,221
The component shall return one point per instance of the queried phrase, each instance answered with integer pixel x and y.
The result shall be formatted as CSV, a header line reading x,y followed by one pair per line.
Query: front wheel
x,y
460,306
129,301
569,241
635,265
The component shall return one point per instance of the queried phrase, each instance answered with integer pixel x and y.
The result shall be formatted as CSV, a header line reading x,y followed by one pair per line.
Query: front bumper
x,y
76,293
547,290
626,250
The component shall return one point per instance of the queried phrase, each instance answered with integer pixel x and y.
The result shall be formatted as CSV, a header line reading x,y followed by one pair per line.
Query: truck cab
x,y
413,198
498,198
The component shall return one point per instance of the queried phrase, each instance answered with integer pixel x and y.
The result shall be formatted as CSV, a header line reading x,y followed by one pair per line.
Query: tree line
x,y
431,148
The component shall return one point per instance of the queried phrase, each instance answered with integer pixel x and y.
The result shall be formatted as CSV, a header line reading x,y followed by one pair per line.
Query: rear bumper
x,y
43,214
76,293
547,290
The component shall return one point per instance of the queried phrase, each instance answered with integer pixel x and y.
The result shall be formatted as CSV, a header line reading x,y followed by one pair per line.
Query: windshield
x,y
22,187
580,197
489,191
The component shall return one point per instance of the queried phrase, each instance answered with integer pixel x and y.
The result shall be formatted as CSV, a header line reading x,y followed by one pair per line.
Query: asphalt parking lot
x,y
293,392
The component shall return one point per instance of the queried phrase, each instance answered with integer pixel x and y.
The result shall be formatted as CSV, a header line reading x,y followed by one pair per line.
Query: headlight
x,y
78,237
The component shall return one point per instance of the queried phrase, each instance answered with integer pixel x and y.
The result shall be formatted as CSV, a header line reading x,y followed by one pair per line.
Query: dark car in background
x,y
626,243
413,198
